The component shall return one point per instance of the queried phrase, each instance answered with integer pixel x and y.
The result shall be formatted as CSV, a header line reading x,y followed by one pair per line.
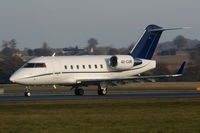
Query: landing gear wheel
x,y
102,91
79,92
27,93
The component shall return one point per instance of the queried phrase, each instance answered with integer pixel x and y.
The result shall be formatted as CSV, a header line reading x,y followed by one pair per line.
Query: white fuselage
x,y
67,70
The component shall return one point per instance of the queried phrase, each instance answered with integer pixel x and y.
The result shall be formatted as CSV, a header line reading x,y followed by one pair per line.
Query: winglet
x,y
180,71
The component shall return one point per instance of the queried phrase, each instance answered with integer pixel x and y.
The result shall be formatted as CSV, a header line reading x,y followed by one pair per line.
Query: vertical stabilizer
x,y
146,45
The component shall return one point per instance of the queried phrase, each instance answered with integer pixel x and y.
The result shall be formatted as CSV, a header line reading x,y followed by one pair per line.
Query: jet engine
x,y
123,62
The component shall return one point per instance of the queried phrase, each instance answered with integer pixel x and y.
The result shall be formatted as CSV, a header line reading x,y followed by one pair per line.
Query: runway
x,y
43,97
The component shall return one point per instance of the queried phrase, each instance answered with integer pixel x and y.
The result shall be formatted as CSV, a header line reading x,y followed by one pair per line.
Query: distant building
x,y
17,53
73,51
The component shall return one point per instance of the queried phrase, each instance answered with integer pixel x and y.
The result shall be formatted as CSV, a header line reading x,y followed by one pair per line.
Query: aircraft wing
x,y
178,74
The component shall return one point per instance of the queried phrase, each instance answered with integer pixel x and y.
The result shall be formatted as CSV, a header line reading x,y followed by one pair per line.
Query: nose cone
x,y
19,76
13,78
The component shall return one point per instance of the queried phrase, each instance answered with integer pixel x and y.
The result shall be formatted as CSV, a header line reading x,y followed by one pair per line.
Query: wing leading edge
x,y
178,74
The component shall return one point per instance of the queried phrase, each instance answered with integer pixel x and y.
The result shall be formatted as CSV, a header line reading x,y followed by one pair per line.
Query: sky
x,y
116,23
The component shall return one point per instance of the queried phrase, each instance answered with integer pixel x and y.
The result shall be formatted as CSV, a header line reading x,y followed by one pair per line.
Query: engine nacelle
x,y
123,62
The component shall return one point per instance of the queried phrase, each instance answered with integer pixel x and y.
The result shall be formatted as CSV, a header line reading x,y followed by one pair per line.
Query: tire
x,y
79,92
27,94
102,91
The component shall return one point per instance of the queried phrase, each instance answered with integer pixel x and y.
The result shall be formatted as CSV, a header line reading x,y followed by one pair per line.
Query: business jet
x,y
100,70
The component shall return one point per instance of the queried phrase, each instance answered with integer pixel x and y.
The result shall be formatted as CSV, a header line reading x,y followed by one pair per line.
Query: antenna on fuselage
x,y
53,54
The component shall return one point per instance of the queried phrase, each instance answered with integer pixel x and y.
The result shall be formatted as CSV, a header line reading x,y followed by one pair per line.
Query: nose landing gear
x,y
27,93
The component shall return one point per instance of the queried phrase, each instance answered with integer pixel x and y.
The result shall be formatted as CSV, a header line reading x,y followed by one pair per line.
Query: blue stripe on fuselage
x,y
85,72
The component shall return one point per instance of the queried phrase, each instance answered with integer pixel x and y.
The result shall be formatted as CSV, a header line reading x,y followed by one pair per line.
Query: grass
x,y
102,116
177,115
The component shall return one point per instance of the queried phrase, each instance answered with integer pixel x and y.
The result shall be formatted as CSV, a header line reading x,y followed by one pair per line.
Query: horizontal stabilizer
x,y
163,29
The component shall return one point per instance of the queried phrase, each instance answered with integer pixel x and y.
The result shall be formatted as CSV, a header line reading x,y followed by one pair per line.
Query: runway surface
x,y
92,96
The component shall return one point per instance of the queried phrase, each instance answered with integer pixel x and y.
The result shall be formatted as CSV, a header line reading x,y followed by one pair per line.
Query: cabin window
x,y
40,65
83,66
77,66
95,66
89,66
29,65
34,65
101,66
65,67
71,66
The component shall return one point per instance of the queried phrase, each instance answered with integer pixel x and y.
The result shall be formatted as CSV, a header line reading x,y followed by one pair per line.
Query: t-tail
x,y
146,45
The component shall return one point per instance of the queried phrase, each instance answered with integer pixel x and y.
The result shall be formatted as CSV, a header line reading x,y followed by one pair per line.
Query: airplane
x,y
99,70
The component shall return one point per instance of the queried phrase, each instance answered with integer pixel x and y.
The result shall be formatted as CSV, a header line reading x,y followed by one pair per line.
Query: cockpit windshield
x,y
34,65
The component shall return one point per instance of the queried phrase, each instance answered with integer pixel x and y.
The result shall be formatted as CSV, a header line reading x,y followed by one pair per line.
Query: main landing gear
x,y
79,91
101,91
27,93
